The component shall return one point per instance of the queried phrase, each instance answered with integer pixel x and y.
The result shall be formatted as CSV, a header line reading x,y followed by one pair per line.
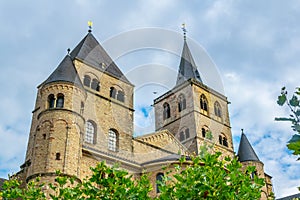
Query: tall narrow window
x,y
90,131
112,92
112,140
159,179
203,132
203,102
51,101
187,133
95,85
60,101
181,103
87,81
181,136
120,96
167,111
57,156
81,108
220,139
217,108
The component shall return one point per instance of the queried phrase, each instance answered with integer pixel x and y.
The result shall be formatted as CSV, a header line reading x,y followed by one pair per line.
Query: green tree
x,y
293,103
202,176
208,177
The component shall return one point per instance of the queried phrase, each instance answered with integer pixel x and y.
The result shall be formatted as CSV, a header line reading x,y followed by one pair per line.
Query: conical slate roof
x,y
65,72
92,53
246,151
187,67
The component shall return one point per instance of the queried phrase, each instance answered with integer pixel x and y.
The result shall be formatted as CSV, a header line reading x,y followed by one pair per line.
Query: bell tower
x,y
57,125
192,111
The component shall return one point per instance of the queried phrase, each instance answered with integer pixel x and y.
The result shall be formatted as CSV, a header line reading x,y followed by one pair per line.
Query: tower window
x,y
44,136
159,179
95,85
60,101
223,140
112,92
203,102
87,80
120,96
203,132
112,140
167,111
181,103
218,110
90,132
81,108
57,156
51,101
184,135
187,133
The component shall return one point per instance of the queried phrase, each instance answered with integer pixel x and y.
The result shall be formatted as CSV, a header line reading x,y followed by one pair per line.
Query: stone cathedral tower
x,y
193,112
84,114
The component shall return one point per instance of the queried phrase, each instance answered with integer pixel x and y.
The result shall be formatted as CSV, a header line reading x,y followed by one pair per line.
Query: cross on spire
x,y
90,24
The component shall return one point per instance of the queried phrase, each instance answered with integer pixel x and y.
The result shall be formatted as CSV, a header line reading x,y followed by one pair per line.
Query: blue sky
x,y
254,44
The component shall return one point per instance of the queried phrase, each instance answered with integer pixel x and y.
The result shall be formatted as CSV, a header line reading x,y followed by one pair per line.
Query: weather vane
x,y
90,24
184,30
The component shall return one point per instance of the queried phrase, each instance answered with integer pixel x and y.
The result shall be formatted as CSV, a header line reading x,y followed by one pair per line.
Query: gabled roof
x,y
65,72
92,53
246,151
187,67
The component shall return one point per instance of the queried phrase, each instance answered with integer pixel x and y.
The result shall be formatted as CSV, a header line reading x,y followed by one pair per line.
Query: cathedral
x,y
84,114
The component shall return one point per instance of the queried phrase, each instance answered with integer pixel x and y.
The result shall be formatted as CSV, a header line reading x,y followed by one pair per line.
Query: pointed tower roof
x,y
187,67
92,53
65,72
246,151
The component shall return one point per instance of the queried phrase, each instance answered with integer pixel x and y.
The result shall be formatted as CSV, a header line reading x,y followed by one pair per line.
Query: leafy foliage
x,y
208,177
294,105
199,177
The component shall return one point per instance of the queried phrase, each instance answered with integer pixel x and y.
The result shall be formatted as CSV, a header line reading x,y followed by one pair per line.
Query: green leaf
x,y
281,99
294,144
294,101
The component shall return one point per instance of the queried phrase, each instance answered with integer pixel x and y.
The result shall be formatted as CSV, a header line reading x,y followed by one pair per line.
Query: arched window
x,y
87,81
112,140
60,101
184,134
181,103
167,111
51,101
203,102
95,85
159,179
223,140
112,92
218,110
120,96
203,131
90,132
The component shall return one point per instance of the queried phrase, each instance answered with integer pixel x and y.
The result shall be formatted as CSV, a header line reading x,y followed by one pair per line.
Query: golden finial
x,y
90,24
184,30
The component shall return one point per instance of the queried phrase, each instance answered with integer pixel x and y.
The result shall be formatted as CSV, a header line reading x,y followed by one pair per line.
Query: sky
x,y
252,47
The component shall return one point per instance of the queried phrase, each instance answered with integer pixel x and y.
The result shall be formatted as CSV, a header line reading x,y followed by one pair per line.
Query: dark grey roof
x,y
246,152
1,182
290,197
187,67
65,72
92,53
